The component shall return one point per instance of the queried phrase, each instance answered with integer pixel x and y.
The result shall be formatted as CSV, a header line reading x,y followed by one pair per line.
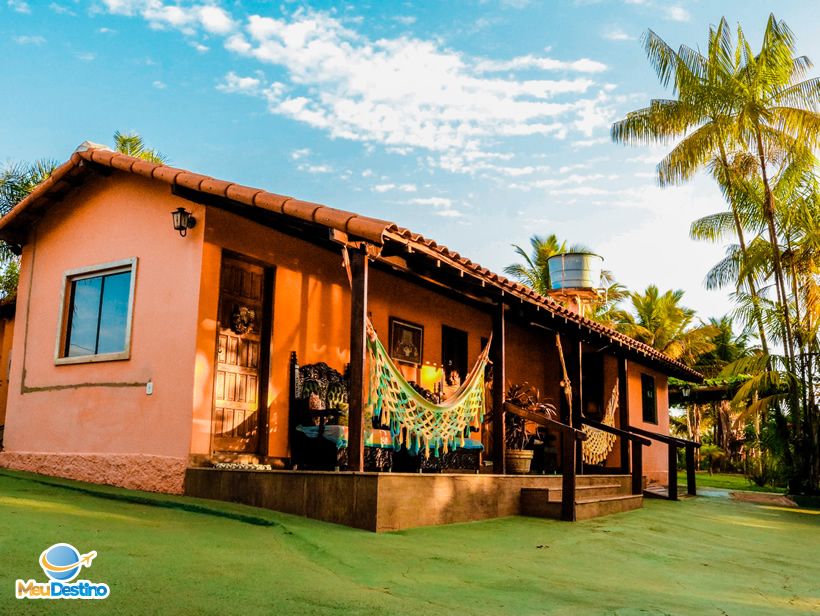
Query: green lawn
x,y
729,481
696,556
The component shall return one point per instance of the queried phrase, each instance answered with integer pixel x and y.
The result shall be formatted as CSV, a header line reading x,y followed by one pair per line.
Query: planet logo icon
x,y
62,562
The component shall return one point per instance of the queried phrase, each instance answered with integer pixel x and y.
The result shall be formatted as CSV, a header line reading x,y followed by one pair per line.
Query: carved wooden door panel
x,y
238,345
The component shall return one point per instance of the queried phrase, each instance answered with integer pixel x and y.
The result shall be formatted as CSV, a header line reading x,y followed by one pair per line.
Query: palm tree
x,y
700,116
659,320
133,144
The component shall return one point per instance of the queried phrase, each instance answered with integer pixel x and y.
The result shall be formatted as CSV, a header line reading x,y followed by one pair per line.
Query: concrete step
x,y
593,491
584,510
541,503
592,480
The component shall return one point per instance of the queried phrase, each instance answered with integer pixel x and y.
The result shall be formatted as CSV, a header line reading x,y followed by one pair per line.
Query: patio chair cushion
x,y
338,435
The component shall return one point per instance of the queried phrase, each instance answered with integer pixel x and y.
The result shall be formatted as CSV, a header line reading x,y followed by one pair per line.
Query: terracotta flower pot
x,y
519,461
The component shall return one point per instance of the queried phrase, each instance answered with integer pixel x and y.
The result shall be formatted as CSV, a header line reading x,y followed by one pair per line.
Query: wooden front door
x,y
241,347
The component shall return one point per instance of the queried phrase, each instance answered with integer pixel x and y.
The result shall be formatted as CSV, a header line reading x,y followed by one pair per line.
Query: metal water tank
x,y
575,270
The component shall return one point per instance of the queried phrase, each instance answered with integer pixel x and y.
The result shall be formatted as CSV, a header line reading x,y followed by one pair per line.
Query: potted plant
x,y
519,431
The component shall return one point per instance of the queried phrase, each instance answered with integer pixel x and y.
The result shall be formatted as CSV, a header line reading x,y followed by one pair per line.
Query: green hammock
x,y
414,420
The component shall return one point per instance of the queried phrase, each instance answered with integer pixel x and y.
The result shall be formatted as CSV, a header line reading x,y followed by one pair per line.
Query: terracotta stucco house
x,y
121,362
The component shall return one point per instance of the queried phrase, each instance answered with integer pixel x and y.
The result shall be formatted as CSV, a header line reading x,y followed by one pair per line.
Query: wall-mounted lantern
x,y
685,391
183,220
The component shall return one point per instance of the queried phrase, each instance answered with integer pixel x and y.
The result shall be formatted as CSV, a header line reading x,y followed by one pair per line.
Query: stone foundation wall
x,y
134,471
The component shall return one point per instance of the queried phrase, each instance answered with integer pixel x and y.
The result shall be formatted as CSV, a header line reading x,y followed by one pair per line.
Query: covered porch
x,y
533,339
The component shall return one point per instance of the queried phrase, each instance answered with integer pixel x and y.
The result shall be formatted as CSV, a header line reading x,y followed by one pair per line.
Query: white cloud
x,y
584,65
403,93
676,13
199,47
442,206
399,187
367,173
159,85
188,19
29,39
106,31
405,20
307,168
86,56
233,83
60,9
300,153
588,143
616,34
19,6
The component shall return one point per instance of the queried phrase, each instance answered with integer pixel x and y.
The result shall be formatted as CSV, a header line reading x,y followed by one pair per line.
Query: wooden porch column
x,y
576,377
498,357
358,340
623,411
673,472
691,485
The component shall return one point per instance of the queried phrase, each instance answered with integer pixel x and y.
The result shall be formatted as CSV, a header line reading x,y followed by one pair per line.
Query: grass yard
x,y
729,481
697,556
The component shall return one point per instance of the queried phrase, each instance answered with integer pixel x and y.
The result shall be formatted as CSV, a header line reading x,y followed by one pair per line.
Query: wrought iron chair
x,y
318,435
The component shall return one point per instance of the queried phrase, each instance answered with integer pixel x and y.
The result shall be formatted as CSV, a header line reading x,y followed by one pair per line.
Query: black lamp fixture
x,y
183,220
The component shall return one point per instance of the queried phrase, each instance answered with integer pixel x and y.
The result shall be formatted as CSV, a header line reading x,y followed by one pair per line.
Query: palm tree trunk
x,y
769,215
744,253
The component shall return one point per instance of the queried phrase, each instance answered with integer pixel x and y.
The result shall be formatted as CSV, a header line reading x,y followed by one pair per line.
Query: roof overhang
x,y
346,228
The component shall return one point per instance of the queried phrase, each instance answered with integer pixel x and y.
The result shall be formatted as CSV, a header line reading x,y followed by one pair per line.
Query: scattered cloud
x,y
159,85
308,168
19,6
200,47
616,34
27,39
300,153
106,31
404,93
410,188
676,13
588,143
86,56
584,65
442,206
233,83
61,10
405,20
188,19
407,93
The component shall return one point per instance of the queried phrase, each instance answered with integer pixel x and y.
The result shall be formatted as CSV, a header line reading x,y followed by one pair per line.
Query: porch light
x,y
183,220
685,390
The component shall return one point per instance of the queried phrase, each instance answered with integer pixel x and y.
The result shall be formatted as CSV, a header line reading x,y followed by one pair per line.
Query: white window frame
x,y
93,271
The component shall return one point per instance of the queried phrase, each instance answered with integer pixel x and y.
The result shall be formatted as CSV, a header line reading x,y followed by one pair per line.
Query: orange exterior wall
x,y
102,408
6,338
655,463
311,315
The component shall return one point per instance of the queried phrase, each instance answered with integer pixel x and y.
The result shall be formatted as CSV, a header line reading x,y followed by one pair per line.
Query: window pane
x,y
650,408
85,309
114,313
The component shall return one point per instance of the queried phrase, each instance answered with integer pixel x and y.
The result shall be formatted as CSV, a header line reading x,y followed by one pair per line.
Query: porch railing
x,y
569,437
674,444
637,442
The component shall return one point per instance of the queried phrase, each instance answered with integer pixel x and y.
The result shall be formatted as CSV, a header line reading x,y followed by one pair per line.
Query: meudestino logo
x,y
62,563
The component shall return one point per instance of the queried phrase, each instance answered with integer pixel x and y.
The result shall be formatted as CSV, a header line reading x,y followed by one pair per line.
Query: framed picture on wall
x,y
406,341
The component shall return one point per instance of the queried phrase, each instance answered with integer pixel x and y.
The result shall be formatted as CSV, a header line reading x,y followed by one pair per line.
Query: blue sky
x,y
478,123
